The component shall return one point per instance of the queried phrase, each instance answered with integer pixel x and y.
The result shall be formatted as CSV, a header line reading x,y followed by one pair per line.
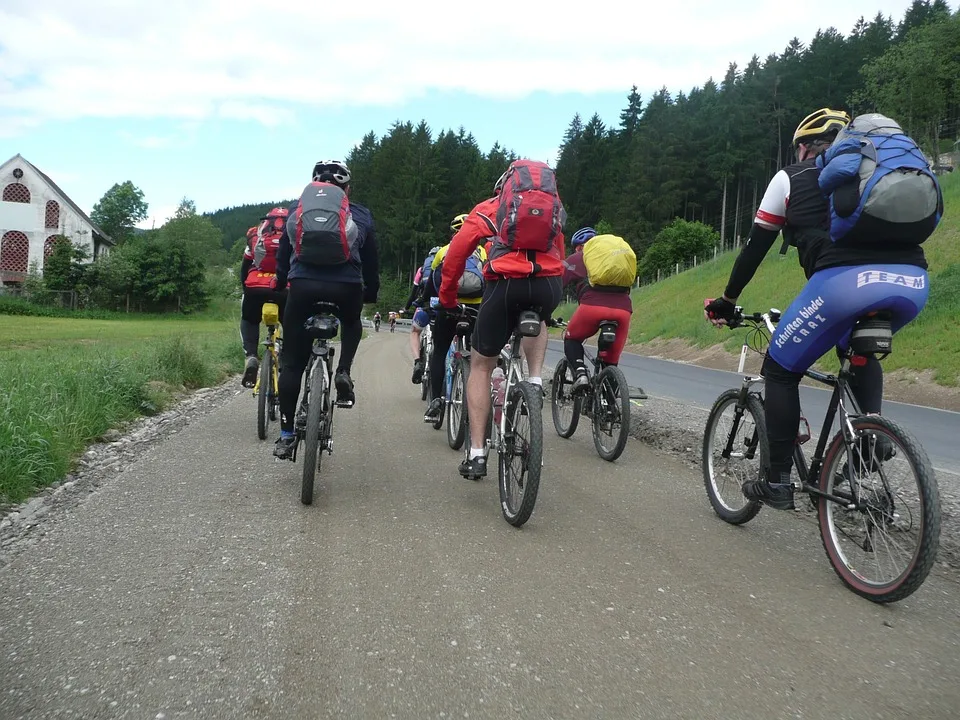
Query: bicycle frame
x,y
273,341
512,365
319,355
841,399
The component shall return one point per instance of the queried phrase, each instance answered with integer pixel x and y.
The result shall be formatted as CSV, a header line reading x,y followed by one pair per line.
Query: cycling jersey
x,y
794,204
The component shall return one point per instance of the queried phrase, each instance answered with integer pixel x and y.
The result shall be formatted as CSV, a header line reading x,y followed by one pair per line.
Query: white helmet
x,y
335,170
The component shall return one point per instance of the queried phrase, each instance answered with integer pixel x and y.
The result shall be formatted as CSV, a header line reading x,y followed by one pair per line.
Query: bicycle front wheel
x,y
311,441
565,406
734,448
882,549
611,413
521,453
457,407
264,394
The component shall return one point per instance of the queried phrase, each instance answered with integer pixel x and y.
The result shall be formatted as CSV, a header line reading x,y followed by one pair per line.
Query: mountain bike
x,y
881,539
314,419
426,351
456,377
606,400
515,428
267,387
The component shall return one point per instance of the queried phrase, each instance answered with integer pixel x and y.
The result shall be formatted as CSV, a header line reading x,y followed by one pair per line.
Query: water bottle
x,y
498,379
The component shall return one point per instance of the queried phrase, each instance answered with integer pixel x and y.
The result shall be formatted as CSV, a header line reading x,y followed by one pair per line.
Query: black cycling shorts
x,y
251,306
504,300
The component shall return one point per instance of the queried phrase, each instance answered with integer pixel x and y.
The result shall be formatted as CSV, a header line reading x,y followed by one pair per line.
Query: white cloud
x,y
195,59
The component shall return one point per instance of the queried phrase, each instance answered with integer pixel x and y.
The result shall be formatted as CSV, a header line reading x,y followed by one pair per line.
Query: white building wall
x,y
31,218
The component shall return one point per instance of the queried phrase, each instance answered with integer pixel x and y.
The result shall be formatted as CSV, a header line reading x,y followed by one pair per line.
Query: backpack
x,y
610,262
471,282
322,227
266,240
530,215
880,186
427,270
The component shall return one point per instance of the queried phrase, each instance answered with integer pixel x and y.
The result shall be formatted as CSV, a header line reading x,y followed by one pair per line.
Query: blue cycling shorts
x,y
824,312
421,319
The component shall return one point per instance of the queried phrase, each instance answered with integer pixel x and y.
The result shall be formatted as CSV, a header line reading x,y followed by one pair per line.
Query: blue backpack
x,y
880,186
471,282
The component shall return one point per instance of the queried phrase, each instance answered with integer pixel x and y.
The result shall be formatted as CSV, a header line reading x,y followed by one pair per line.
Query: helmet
x,y
582,235
819,123
335,171
457,222
434,250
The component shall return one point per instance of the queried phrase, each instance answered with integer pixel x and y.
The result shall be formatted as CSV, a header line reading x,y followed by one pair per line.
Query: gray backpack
x,y
322,227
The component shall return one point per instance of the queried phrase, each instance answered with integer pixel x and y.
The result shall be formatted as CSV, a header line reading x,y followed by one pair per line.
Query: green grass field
x,y
66,381
673,308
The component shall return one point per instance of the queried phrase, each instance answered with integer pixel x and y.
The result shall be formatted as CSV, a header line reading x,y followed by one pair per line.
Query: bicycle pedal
x,y
343,404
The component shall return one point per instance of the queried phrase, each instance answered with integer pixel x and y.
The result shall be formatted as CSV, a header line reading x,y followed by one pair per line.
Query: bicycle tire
x,y
613,375
311,439
557,388
264,393
425,385
929,538
746,513
457,420
517,511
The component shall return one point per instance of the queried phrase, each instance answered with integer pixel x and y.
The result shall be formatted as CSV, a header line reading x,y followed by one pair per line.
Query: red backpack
x,y
267,240
530,215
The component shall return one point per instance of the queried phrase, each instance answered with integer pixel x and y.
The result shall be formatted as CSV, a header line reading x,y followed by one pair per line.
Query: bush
x,y
679,242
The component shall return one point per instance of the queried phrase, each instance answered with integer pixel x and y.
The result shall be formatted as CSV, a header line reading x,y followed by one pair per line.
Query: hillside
x,y
670,309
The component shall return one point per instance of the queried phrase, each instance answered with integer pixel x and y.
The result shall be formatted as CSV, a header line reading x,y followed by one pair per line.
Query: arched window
x,y
14,256
53,214
16,192
48,245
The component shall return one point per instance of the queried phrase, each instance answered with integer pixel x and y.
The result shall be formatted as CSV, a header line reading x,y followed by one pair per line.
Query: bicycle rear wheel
x,y
521,453
611,413
264,394
884,549
316,412
564,405
457,407
734,449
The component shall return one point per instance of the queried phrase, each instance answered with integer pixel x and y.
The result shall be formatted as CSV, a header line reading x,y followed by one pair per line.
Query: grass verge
x,y
67,381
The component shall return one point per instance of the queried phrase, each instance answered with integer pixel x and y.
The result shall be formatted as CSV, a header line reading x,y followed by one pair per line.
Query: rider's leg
x,y
545,292
478,398
296,351
250,314
415,331
611,356
444,330
820,317
582,325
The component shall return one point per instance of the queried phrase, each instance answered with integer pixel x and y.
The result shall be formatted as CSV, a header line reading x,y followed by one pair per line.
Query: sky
x,y
233,102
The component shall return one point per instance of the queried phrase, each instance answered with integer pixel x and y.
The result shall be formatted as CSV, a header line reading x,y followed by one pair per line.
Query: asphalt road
x,y
938,430
194,584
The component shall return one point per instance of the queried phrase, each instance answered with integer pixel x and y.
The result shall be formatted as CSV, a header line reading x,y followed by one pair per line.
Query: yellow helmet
x,y
819,123
457,222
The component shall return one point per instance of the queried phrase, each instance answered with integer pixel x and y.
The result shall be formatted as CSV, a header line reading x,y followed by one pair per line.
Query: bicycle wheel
x,y
611,413
521,454
425,385
264,392
311,441
457,407
884,549
734,450
564,405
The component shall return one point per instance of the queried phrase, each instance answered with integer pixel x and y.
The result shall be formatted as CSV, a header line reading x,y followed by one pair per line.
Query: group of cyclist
x,y
480,267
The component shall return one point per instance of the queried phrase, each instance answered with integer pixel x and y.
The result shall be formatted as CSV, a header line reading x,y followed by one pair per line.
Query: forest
x,y
703,154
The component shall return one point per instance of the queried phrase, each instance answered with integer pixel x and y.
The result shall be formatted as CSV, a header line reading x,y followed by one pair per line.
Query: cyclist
x,y
470,292
376,320
822,315
420,318
596,305
515,280
257,270
349,285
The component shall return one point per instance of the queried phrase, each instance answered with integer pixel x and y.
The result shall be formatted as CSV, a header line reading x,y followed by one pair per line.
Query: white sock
x,y
474,453
535,380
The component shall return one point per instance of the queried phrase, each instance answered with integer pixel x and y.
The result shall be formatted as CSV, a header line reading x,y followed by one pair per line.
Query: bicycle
x,y
456,377
606,400
514,400
267,387
426,351
850,503
376,325
314,420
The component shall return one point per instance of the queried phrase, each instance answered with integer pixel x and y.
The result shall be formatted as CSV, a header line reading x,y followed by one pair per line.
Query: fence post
x,y
658,274
694,260
714,252
677,270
